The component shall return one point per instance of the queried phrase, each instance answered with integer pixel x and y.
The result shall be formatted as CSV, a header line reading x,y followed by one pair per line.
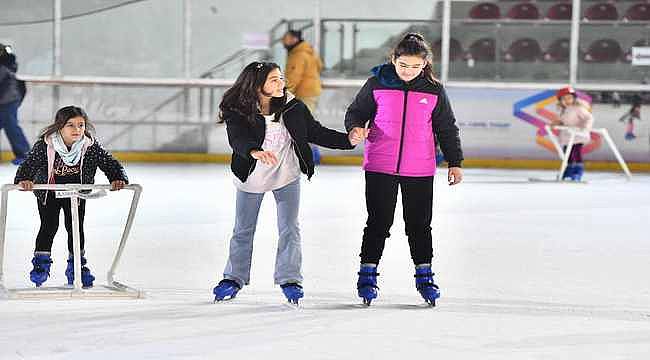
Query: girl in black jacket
x,y
269,131
66,153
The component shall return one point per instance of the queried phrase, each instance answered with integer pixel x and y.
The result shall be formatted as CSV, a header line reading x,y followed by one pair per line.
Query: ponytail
x,y
413,44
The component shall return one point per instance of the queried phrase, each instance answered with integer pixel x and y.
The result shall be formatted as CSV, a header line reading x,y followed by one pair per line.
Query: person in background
x,y
12,93
634,114
302,74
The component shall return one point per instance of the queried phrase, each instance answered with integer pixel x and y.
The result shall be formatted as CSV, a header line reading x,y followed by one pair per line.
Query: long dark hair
x,y
243,99
413,44
61,118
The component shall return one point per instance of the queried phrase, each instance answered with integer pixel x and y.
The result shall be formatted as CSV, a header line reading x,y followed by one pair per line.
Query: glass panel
x,y
27,27
605,52
114,38
134,118
510,51
353,48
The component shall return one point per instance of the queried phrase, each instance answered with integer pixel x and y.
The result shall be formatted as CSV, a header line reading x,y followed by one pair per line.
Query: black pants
x,y
576,153
49,214
417,204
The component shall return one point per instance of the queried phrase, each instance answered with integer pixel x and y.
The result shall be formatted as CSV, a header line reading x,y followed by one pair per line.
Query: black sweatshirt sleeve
x,y
362,109
36,158
446,131
240,137
320,135
110,166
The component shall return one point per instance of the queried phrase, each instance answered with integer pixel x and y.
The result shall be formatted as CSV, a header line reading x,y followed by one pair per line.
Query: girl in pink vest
x,y
402,110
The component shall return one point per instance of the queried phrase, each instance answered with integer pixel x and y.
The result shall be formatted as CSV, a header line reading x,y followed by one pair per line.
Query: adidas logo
x,y
423,101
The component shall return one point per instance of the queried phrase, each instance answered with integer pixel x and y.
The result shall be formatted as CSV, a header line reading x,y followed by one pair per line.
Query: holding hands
x,y
357,135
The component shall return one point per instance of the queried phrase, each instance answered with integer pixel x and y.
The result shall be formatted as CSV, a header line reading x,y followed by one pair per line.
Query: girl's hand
x,y
357,135
266,157
26,185
454,175
117,185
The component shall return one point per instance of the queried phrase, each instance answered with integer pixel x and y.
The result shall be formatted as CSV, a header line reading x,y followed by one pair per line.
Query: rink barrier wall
x,y
165,157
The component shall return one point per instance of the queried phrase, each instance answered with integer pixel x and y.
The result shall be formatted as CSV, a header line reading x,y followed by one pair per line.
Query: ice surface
x,y
526,270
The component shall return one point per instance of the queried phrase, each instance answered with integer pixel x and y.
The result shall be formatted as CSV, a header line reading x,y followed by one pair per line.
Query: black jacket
x,y
11,89
303,129
35,166
364,108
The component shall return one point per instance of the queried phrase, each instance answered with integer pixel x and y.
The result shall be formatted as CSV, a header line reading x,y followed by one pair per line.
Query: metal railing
x,y
573,132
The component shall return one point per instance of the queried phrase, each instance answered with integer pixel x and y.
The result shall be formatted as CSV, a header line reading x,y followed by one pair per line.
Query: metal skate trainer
x,y
113,288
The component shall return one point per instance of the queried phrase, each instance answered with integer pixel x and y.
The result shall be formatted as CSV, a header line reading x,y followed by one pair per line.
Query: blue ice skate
x,y
578,170
226,290
367,283
87,277
293,292
41,271
569,172
425,285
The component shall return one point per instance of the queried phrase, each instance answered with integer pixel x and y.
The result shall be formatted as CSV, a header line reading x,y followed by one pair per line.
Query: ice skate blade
x,y
293,304
216,300
71,286
554,181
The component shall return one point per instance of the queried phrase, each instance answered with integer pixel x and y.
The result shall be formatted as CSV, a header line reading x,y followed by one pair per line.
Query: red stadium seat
x,y
483,50
523,50
603,51
558,51
602,11
485,11
524,11
560,11
638,12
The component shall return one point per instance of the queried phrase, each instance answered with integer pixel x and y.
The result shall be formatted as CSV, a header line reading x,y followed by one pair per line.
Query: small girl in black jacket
x,y
65,153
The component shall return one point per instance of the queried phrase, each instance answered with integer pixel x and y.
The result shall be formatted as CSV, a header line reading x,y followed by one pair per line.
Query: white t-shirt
x,y
271,177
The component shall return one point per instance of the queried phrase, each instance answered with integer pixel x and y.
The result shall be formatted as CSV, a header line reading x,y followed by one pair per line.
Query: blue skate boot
x,y
578,170
293,292
424,283
87,277
367,283
226,290
41,271
568,172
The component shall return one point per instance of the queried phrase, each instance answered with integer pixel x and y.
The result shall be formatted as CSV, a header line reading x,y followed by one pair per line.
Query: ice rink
x,y
527,271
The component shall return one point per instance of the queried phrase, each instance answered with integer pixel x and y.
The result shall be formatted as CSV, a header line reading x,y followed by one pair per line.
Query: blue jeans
x,y
288,260
9,122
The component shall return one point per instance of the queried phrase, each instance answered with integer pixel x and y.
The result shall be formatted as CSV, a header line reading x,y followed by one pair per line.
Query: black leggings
x,y
49,214
576,153
417,203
